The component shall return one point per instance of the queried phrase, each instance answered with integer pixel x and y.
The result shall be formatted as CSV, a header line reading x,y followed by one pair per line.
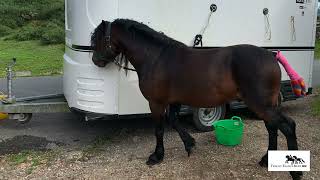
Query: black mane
x,y
98,31
146,33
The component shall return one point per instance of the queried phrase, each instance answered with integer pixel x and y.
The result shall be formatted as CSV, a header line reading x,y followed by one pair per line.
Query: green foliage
x,y
317,50
316,106
32,20
30,31
32,159
4,30
52,34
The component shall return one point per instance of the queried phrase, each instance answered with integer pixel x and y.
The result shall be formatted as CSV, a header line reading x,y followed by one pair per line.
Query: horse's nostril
x,y
101,64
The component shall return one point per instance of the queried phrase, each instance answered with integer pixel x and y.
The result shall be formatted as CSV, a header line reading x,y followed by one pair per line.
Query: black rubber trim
x,y
282,48
80,48
297,48
85,48
309,91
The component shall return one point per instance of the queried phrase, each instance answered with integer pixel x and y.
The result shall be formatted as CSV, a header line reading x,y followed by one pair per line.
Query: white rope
x,y
267,27
293,29
203,30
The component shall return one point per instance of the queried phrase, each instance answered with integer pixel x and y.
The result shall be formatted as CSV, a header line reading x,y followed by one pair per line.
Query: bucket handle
x,y
236,118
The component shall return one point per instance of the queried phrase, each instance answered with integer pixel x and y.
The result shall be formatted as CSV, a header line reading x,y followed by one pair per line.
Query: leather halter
x,y
108,46
108,37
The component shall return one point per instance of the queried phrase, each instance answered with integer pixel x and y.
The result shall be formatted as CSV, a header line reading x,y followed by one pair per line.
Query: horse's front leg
x,y
187,139
157,111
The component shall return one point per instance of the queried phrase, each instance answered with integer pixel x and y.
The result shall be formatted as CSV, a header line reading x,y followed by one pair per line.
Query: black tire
x,y
280,99
25,118
204,117
81,115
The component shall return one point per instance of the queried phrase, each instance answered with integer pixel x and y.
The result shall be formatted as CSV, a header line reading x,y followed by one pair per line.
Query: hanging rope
x,y
267,24
293,29
198,38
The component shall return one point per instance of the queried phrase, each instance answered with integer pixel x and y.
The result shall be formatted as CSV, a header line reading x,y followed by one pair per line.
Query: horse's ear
x,y
103,23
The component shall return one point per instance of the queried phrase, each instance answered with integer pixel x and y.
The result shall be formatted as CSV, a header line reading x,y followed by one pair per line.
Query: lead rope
x,y
198,38
126,68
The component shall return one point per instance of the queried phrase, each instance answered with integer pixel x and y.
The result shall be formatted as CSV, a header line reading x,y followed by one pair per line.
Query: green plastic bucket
x,y
229,132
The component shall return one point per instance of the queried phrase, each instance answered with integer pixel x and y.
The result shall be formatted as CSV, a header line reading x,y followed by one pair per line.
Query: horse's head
x,y
104,50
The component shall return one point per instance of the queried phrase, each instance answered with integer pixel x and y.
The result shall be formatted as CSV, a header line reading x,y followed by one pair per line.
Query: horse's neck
x,y
140,52
139,55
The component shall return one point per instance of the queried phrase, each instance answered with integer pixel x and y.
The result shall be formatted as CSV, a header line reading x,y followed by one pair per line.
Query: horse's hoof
x,y
154,159
296,175
263,162
189,146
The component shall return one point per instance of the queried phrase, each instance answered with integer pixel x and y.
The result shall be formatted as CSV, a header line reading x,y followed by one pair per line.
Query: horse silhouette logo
x,y
294,160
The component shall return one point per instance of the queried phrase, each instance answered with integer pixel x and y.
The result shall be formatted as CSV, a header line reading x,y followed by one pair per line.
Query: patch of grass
x,y
19,158
317,50
40,60
316,106
96,147
32,158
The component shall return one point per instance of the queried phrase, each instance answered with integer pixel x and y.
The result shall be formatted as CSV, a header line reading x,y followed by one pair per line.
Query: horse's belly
x,y
212,101
207,97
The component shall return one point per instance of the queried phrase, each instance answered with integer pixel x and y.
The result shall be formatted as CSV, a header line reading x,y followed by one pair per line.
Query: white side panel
x,y
84,15
88,87
234,22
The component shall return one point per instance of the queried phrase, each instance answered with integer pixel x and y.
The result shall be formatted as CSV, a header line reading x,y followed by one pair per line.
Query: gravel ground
x,y
122,154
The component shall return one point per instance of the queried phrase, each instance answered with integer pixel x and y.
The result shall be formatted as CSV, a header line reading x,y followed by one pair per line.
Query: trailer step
x,y
43,107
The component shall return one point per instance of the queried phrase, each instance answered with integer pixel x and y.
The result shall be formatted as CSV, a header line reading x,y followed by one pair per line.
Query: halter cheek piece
x,y
108,37
108,42
109,48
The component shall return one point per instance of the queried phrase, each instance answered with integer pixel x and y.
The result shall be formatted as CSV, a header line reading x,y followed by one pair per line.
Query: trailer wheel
x,y
24,118
204,117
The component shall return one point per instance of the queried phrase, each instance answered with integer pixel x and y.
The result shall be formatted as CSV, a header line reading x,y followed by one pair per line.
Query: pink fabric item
x,y
297,83
290,71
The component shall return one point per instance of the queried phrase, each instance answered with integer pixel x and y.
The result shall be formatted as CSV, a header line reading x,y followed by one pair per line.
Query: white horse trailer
x,y
285,25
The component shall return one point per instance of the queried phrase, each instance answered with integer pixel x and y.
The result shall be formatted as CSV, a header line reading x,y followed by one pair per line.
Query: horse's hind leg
x,y
187,139
271,120
288,127
275,120
157,111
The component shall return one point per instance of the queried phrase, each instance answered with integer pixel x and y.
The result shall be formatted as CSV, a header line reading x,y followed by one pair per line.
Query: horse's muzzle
x,y
99,63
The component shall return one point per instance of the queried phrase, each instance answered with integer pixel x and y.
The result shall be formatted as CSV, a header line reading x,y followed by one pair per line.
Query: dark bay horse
x,y
171,73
